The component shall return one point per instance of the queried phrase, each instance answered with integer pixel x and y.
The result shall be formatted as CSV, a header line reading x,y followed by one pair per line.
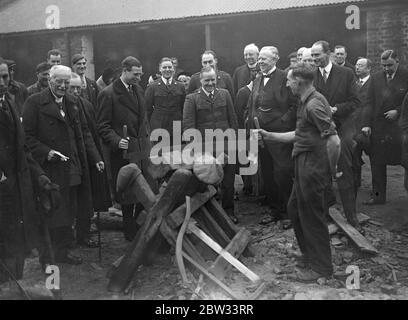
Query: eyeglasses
x,y
389,65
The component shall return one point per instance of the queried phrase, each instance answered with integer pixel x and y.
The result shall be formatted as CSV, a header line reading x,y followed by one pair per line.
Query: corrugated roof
x,y
30,15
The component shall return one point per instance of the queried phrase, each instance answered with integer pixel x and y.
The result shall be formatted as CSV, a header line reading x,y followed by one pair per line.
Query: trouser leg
x,y
83,225
346,183
270,188
379,181
227,187
129,222
293,213
312,177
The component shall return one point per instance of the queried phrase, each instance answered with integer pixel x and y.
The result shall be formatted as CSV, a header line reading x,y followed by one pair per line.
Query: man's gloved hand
x,y
50,197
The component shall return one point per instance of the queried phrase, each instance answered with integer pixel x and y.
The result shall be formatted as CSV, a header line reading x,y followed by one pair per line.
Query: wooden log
x,y
179,185
176,218
236,247
356,236
225,254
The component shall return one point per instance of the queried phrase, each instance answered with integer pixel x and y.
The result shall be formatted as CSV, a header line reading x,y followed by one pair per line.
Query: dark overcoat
x,y
386,135
99,180
47,130
116,108
19,218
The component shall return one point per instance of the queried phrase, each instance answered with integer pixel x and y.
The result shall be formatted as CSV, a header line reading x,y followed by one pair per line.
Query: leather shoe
x,y
286,224
69,258
89,243
267,219
373,202
308,275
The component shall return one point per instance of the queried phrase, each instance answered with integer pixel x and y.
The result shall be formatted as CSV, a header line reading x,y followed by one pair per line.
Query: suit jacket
x,y
19,224
116,108
341,91
47,130
280,117
382,97
241,104
241,77
361,112
164,104
224,81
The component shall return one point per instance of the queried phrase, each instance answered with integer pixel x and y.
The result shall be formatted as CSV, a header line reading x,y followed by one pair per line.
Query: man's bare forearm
x,y
284,137
333,152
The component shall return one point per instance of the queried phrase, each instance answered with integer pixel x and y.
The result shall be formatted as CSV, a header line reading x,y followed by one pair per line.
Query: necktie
x,y
389,77
61,109
325,77
131,91
211,95
4,108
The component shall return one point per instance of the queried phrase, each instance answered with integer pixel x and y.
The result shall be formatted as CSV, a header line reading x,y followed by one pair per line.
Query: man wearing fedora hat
x,y
90,89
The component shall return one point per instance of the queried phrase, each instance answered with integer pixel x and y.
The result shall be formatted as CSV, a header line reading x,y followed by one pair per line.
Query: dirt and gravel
x,y
382,277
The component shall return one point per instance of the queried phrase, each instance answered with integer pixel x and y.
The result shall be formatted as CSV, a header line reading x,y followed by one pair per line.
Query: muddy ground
x,y
382,277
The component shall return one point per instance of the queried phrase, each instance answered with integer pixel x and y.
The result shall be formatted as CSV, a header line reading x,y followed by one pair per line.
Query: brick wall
x,y
387,28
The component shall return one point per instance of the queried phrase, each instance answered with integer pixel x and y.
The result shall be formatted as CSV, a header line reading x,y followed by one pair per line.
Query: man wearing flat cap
x,y
90,89
43,76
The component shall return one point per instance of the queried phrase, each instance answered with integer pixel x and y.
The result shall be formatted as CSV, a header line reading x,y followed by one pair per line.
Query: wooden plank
x,y
356,236
221,266
222,219
225,254
176,218
215,230
214,279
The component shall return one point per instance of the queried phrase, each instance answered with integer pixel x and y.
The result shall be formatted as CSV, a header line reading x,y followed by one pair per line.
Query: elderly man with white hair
x,y
300,53
59,139
274,105
307,57
244,74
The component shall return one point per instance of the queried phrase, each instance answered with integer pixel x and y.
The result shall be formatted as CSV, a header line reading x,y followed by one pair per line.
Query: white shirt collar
x,y
270,71
57,99
208,93
3,97
364,80
165,80
328,68
125,84
251,66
